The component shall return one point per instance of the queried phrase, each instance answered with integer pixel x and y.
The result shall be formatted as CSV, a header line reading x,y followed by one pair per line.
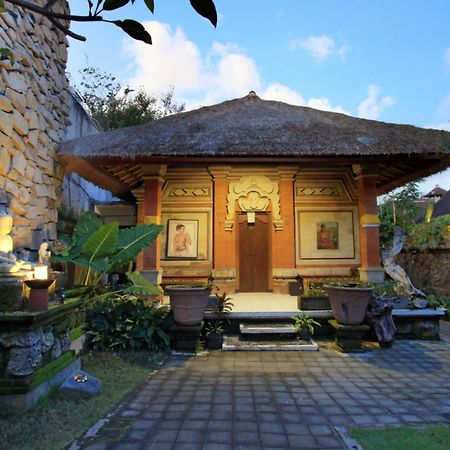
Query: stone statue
x,y
8,262
44,254
397,273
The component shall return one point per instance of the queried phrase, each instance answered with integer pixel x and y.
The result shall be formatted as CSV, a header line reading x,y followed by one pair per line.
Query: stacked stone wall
x,y
429,270
33,117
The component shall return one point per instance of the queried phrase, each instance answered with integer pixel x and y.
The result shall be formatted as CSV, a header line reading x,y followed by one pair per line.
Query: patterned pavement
x,y
280,400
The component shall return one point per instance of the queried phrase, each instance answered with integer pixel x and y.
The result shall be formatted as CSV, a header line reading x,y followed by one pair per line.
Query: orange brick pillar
x,y
369,223
224,241
283,240
149,211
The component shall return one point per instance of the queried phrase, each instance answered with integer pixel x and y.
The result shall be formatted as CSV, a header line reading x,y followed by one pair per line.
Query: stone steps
x,y
273,336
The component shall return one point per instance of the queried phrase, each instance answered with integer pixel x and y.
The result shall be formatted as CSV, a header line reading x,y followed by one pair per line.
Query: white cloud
x,y
372,106
447,58
320,47
223,73
174,60
281,93
325,105
441,126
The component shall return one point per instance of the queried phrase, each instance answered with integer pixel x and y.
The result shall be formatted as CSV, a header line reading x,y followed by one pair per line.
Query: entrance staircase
x,y
267,336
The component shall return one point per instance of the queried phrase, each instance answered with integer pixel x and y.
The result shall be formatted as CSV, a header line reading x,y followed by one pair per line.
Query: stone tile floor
x,y
273,400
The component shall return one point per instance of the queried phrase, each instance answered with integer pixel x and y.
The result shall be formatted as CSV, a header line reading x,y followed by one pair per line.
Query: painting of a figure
x,y
182,238
327,235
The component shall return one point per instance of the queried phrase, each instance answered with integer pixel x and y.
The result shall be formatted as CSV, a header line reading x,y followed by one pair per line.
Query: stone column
x,y
369,223
224,250
149,211
283,241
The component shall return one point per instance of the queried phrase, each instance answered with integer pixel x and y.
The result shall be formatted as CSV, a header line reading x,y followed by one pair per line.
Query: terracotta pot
x,y
349,304
188,303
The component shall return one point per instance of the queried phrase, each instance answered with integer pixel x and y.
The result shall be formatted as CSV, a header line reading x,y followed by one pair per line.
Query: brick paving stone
x,y
304,441
274,440
329,442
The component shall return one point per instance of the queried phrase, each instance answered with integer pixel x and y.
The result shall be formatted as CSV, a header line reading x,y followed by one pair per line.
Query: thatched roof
x,y
258,130
442,206
254,127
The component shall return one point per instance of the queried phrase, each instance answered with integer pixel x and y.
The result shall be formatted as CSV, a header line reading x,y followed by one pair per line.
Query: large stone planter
x,y
349,304
188,303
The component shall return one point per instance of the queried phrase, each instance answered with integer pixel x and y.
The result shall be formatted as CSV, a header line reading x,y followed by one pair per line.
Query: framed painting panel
x,y
326,235
182,239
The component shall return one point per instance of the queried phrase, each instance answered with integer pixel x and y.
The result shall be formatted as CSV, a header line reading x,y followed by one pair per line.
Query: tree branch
x,y
65,30
37,9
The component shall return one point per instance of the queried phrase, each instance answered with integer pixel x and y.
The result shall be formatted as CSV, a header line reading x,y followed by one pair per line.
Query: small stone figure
x,y
44,254
397,273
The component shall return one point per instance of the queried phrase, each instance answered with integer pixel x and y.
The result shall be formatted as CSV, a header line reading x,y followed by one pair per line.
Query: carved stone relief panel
x,y
253,193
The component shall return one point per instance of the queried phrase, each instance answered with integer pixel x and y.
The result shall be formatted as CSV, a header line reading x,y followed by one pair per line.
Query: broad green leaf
x,y
150,5
140,285
133,240
110,5
2,6
134,29
87,224
102,243
207,9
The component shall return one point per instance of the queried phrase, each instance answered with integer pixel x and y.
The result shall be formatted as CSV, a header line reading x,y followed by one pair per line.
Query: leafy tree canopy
x,y
95,10
114,106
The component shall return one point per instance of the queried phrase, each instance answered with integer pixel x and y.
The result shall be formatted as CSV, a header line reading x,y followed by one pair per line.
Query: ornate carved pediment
x,y
253,193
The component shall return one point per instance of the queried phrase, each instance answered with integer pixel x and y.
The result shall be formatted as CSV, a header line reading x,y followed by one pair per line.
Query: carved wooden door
x,y
254,254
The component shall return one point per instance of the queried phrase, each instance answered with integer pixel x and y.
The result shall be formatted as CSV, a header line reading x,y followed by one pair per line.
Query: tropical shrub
x,y
98,249
429,235
126,321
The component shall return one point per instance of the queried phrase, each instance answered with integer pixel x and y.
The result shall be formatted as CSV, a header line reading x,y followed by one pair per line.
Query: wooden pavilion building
x,y
259,194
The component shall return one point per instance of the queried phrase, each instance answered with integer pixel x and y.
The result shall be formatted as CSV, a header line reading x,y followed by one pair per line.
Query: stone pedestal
x,y
349,337
185,337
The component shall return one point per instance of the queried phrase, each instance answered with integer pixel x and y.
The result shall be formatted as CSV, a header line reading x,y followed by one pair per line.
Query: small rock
x,y
87,384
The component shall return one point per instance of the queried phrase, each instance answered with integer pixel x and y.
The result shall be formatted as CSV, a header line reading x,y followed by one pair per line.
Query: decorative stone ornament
x,y
253,193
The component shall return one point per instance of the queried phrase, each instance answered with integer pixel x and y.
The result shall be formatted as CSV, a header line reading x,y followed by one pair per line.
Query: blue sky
x,y
386,60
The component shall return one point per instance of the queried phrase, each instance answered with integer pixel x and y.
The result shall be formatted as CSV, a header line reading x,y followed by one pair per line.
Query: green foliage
x,y
6,53
389,288
315,291
306,322
436,301
429,235
224,304
399,209
114,106
127,322
214,326
100,249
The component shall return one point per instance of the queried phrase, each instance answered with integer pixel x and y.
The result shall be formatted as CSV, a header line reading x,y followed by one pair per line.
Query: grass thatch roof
x,y
250,126
250,130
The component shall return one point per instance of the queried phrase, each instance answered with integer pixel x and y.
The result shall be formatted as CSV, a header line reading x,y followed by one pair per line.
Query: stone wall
x,y
34,113
429,270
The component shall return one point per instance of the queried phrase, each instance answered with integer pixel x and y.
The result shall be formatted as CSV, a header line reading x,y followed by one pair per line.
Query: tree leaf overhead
x,y
207,9
134,29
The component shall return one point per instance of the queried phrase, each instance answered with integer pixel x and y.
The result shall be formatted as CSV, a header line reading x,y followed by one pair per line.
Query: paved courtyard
x,y
267,400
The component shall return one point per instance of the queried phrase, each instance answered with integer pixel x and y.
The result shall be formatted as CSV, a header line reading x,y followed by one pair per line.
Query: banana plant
x,y
99,248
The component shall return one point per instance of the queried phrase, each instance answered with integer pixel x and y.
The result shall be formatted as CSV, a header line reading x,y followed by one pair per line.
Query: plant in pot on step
x,y
304,326
216,327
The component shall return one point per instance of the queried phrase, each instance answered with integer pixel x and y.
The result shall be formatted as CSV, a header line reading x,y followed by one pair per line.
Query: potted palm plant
x,y
304,325
216,327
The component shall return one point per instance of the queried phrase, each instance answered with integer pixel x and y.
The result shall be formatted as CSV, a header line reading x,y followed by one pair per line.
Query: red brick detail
x,y
369,235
